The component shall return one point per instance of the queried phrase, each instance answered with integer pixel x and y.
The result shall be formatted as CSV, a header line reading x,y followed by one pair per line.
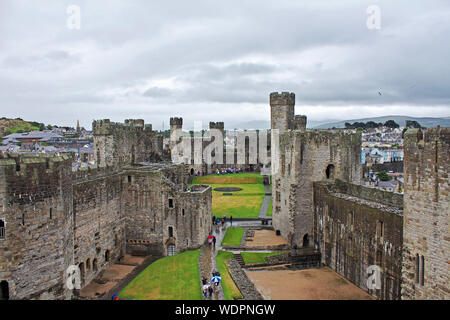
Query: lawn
x,y
170,278
233,237
230,290
241,204
257,257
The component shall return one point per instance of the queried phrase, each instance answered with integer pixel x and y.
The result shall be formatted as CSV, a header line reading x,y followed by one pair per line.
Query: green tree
x,y
391,124
383,176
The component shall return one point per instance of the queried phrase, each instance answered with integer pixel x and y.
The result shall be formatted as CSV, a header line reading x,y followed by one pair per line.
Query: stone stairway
x,y
239,259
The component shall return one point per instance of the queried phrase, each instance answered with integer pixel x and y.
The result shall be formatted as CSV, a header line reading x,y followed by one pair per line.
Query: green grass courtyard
x,y
242,204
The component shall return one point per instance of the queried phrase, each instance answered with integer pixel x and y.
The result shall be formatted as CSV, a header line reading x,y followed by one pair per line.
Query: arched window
x,y
81,266
4,290
94,265
2,229
170,232
88,264
330,172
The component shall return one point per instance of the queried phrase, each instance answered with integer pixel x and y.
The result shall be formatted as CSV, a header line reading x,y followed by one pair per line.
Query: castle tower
x,y
426,239
282,111
300,122
219,126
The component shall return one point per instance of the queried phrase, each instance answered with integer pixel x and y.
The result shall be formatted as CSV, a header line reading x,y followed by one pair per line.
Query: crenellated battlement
x,y
217,125
282,99
178,122
105,127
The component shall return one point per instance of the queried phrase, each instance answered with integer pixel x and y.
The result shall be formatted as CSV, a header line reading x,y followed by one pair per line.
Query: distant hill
x,y
428,122
265,124
8,126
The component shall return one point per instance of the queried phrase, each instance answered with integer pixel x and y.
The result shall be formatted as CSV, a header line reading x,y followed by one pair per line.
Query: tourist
x,y
214,242
205,290
204,281
210,239
210,290
223,222
231,220
214,220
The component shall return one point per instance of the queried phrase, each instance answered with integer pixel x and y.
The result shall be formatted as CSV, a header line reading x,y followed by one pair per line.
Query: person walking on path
x,y
210,290
231,220
205,290
214,220
210,239
214,242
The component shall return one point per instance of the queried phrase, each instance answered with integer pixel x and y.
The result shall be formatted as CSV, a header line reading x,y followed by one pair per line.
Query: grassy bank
x,y
170,278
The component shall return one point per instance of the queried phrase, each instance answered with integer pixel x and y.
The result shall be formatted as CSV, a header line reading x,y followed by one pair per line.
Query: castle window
x,y
81,266
170,203
417,268
88,264
182,212
422,274
2,229
330,171
129,179
50,213
23,219
170,232
380,230
107,254
94,265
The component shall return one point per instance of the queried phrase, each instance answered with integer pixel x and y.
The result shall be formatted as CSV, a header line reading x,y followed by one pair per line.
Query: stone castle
x,y
134,202
137,201
318,202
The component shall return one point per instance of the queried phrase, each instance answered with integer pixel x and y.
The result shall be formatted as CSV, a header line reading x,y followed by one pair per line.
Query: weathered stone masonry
x,y
132,202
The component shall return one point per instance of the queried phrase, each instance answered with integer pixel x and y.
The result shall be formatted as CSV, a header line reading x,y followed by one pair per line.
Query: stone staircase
x,y
239,259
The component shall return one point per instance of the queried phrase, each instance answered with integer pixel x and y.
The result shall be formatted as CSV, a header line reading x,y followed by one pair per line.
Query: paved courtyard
x,y
311,284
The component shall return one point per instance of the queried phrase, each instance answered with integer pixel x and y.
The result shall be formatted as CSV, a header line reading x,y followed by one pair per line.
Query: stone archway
x,y
329,172
4,290
306,240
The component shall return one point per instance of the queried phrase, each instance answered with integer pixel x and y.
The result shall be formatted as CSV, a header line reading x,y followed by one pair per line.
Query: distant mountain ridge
x,y
428,122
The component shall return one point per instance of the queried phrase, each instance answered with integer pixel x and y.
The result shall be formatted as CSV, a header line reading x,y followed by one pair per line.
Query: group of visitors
x,y
217,220
207,288
229,170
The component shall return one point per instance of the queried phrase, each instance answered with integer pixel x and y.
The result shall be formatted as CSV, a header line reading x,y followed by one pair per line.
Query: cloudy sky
x,y
214,60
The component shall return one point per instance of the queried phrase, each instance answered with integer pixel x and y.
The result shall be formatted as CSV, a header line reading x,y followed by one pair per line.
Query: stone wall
x,y
120,144
353,234
426,247
36,208
305,157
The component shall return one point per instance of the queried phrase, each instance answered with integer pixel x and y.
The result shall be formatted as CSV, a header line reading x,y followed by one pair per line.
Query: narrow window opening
x,y
422,276
170,232
2,229
170,203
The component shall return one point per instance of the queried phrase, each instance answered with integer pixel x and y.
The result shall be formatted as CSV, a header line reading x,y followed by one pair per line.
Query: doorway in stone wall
x,y
306,240
4,290
171,250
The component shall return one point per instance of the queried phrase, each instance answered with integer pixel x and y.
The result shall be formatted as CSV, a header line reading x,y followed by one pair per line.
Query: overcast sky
x,y
214,60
